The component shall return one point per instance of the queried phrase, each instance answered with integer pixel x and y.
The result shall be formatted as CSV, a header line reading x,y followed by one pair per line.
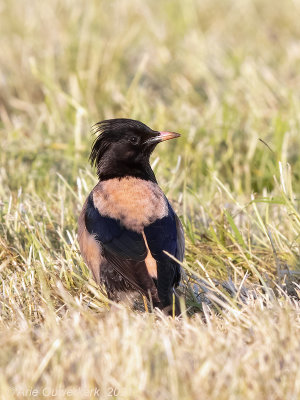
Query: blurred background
x,y
224,73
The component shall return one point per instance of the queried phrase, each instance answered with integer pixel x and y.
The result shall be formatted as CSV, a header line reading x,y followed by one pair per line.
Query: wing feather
x,y
125,250
166,235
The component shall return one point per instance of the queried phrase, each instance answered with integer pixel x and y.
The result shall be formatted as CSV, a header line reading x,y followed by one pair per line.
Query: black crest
x,y
109,131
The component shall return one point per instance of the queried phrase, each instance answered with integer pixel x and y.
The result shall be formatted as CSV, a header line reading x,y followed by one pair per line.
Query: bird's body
x,y
127,225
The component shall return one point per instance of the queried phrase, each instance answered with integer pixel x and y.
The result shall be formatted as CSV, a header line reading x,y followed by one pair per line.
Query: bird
x,y
128,233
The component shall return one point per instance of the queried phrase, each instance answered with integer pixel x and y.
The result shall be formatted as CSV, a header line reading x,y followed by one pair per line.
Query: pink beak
x,y
168,135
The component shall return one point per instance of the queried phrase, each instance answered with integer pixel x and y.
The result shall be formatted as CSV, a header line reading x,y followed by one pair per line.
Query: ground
x,y
224,74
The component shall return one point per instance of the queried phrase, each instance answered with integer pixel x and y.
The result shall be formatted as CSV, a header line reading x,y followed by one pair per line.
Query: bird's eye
x,y
133,139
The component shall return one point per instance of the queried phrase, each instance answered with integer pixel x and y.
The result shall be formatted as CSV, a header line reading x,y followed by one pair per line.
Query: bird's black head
x,y
123,148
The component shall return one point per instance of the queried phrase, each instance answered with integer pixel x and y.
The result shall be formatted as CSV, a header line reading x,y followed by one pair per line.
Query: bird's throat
x,y
121,169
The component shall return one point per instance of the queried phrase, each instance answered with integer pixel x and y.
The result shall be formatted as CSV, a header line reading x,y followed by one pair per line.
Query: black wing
x,y
166,235
125,250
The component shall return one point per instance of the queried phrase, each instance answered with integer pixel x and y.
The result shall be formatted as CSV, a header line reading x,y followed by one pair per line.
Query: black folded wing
x,y
123,248
166,236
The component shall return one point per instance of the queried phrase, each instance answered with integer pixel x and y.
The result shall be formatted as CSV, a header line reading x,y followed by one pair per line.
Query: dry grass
x,y
252,353
224,74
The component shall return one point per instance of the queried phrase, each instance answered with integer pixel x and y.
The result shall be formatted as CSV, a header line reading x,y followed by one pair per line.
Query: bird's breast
x,y
136,203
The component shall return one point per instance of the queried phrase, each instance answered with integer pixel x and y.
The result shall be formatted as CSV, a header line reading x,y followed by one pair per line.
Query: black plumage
x,y
127,224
